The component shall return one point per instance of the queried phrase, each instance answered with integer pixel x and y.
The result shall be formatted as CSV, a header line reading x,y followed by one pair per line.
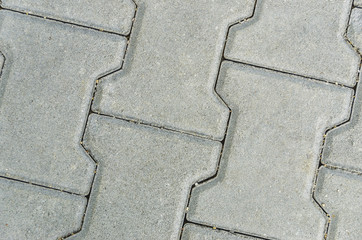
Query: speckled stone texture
x,y
304,37
30,212
172,64
271,154
45,91
354,32
180,120
114,16
340,194
143,179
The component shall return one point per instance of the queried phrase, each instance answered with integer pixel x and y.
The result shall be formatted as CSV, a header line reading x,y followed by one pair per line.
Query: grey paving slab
x,y
358,3
340,194
45,91
171,66
115,16
31,212
343,145
143,180
195,232
304,37
354,32
271,154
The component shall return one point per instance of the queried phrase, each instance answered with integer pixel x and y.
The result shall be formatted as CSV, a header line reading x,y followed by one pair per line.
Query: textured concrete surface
x,y
135,119
145,175
344,144
195,232
46,88
114,16
172,64
340,194
355,29
277,120
305,37
29,212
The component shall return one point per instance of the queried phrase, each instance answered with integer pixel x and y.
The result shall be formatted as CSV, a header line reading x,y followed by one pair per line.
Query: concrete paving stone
x,y
340,195
172,64
358,3
143,180
304,37
343,145
195,232
112,15
37,213
354,32
271,154
45,91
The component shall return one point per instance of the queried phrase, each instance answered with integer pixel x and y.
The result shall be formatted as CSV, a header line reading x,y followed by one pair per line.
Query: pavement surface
x,y
174,119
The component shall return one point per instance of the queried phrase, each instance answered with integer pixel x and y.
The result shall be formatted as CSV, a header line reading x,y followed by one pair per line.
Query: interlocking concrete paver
x,y
343,147
304,37
31,212
143,179
271,154
57,55
340,194
354,32
171,66
115,16
46,87
343,144
194,232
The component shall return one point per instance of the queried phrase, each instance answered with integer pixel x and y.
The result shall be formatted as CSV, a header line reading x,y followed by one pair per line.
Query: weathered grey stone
x,y
343,146
143,179
171,66
31,212
271,154
340,195
304,37
354,32
115,16
195,232
45,92
358,3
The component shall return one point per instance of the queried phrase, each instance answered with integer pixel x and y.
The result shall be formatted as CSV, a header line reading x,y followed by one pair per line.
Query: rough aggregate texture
x,y
340,194
114,16
277,120
304,37
143,179
43,108
110,126
30,212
